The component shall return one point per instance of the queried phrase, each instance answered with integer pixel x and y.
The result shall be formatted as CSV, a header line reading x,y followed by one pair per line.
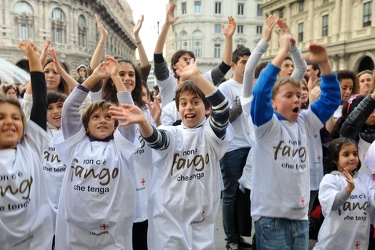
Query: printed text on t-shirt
x,y
186,161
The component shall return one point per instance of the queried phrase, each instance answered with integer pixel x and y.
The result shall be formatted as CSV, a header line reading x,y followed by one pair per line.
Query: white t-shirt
x,y
54,171
141,172
232,90
280,174
315,160
349,226
170,114
245,180
25,214
185,191
97,199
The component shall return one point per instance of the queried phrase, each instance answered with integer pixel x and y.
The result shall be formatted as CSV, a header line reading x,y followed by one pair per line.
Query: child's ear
x,y
274,106
208,111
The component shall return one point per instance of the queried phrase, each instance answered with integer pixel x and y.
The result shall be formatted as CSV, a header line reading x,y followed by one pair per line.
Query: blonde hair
x,y
282,81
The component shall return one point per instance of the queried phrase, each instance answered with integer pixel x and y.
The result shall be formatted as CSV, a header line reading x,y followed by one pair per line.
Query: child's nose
x,y
189,106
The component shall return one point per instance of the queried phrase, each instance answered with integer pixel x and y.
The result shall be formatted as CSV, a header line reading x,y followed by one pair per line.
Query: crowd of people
x,y
97,162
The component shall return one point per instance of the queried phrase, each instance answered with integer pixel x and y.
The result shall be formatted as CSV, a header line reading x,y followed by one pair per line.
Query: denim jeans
x,y
281,234
231,166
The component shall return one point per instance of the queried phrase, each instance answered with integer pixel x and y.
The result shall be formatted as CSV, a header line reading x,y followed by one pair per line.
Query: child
x,y
280,194
81,73
141,169
346,197
25,216
11,92
168,82
97,200
233,162
186,182
54,168
347,85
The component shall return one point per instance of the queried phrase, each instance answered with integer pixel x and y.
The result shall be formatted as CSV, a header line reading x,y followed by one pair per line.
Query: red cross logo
x,y
104,226
303,201
202,213
357,245
143,181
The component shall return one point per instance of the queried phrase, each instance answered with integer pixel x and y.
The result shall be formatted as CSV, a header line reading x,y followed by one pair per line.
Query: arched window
x,y
184,40
82,31
58,26
197,43
24,21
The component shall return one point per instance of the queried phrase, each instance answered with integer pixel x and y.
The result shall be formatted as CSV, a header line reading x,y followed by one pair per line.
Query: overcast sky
x,y
154,12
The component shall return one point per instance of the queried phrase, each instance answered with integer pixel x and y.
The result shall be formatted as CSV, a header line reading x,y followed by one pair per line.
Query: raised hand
x,y
190,71
318,54
55,61
28,48
111,66
268,27
284,29
349,179
170,19
31,51
155,109
44,51
101,71
127,114
138,26
314,94
102,30
230,29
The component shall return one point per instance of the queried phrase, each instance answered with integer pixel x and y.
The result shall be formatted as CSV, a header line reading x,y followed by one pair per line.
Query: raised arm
x,y
144,65
143,60
44,51
161,68
300,64
72,83
99,50
124,96
357,118
261,109
218,73
169,20
248,80
228,33
330,97
219,118
71,118
38,84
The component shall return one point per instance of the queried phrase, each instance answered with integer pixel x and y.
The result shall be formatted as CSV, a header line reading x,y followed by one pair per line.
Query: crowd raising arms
x,y
269,108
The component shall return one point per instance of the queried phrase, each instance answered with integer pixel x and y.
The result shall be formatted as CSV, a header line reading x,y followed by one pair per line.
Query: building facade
x,y
71,27
345,27
198,28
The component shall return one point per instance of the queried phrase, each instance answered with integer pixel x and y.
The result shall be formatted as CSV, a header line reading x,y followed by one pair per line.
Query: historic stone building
x,y
345,27
69,24
199,28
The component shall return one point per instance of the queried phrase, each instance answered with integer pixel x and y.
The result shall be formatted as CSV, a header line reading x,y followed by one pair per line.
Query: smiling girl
x,y
25,217
346,197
